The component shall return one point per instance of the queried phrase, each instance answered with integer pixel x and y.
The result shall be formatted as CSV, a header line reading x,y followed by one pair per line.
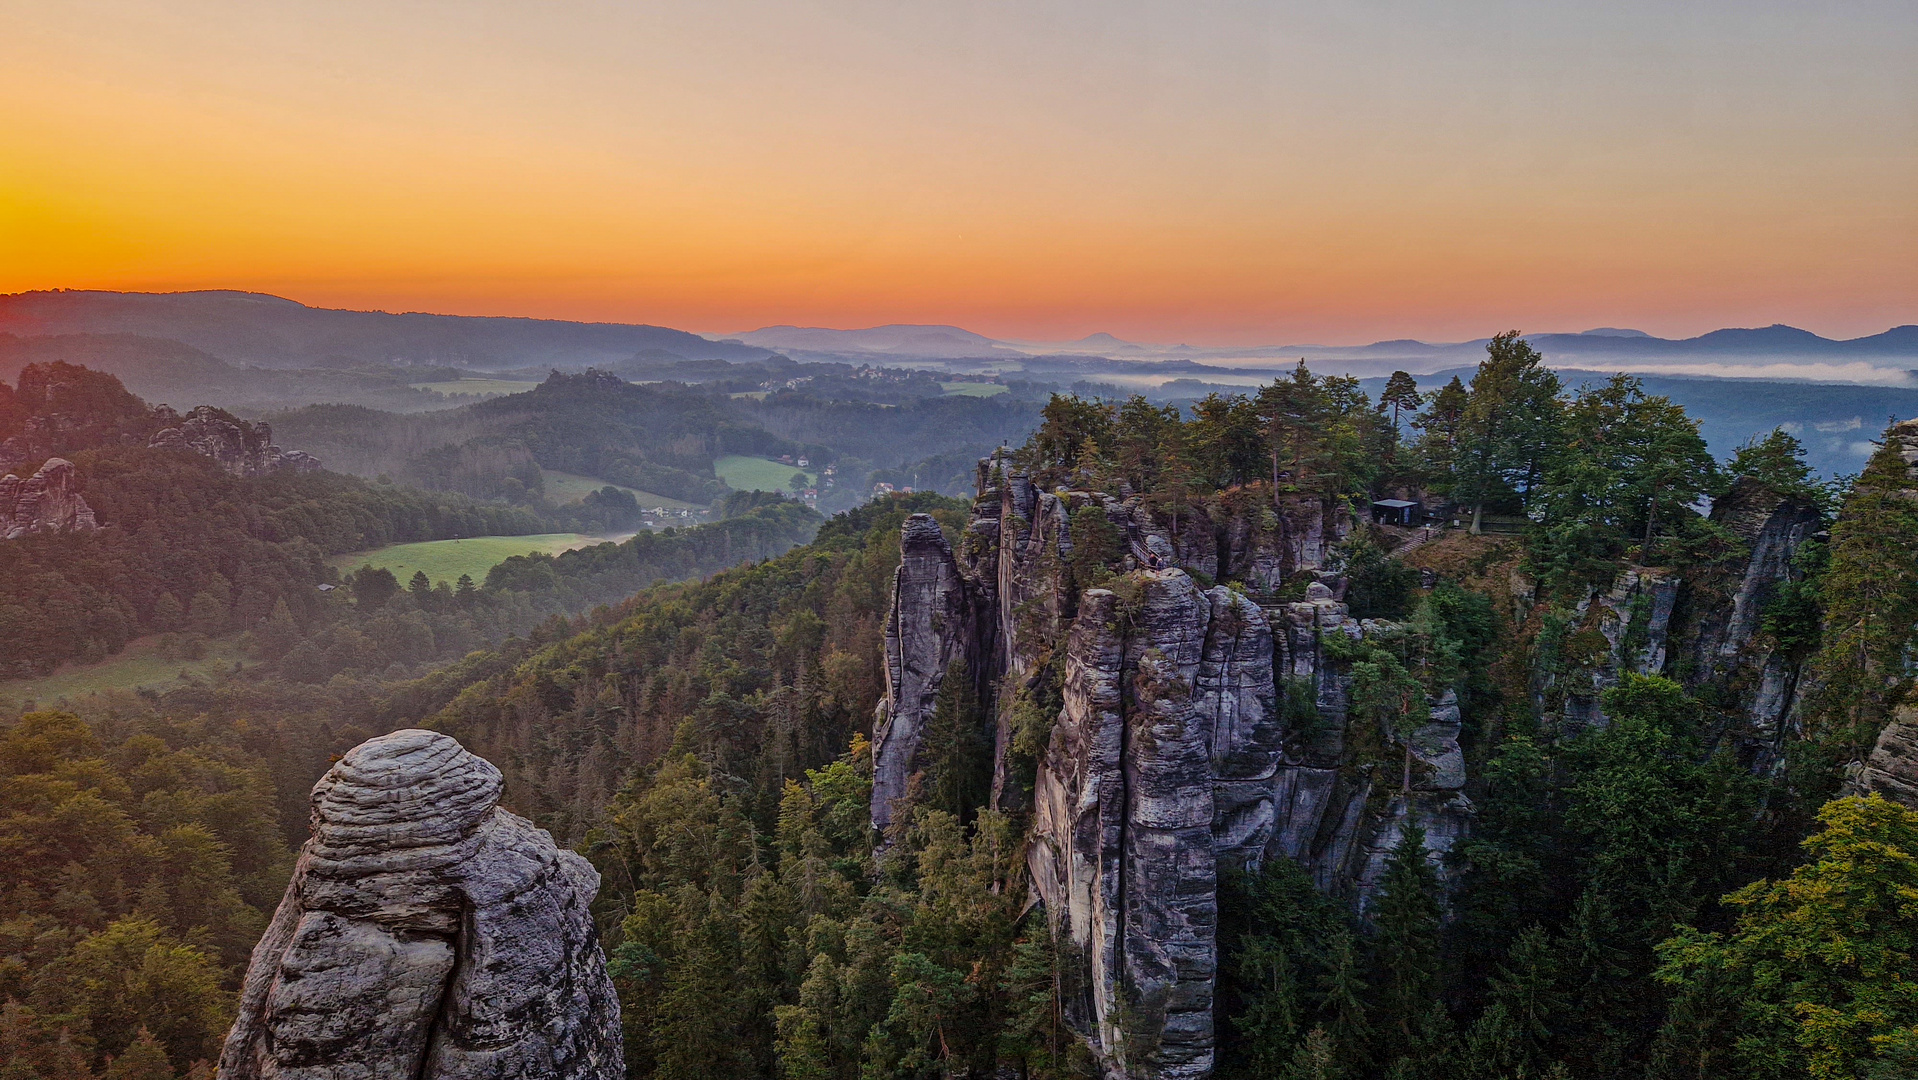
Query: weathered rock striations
x,y
427,933
1122,850
1168,753
47,501
240,448
1892,768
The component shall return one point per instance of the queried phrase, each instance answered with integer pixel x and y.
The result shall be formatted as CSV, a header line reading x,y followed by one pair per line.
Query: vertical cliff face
x,y
426,933
1167,752
1123,850
1702,628
1721,621
47,501
1624,630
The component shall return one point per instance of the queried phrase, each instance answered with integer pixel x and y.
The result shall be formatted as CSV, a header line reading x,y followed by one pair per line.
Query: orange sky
x,y
1226,173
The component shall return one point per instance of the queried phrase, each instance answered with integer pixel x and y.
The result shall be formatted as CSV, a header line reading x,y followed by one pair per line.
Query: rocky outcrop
x,y
426,933
933,627
47,501
1626,629
240,448
1892,768
1186,729
1721,616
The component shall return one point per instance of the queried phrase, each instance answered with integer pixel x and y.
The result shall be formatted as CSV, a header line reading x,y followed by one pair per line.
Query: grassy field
x,y
564,487
756,395
139,664
446,560
743,473
972,389
482,387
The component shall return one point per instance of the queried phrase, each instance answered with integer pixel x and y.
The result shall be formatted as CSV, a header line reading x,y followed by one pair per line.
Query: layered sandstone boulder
x,y
427,933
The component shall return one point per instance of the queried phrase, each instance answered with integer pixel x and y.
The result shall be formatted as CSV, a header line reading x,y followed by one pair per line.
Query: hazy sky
x,y
1206,172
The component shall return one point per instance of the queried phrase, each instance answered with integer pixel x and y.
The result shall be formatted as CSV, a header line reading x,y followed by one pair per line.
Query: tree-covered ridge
x,y
662,437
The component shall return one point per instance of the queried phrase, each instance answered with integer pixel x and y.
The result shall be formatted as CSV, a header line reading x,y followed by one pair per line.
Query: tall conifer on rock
x,y
1871,605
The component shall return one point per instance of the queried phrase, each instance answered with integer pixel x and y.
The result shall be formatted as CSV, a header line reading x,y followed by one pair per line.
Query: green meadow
x,y
972,389
743,473
145,661
563,488
446,560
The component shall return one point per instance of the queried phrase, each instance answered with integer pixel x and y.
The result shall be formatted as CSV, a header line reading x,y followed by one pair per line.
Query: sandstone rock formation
x,y
1122,849
1720,626
47,501
427,933
1626,629
1188,729
241,448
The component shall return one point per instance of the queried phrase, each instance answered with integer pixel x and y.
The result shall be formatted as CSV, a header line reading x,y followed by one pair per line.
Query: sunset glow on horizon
x,y
1217,173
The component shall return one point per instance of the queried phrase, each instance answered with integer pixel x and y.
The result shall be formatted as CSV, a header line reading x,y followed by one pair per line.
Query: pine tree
x,y
1514,1035
1411,1019
1313,1060
144,1060
1818,969
1438,427
1350,1026
957,745
1401,393
1509,428
1871,605
699,1030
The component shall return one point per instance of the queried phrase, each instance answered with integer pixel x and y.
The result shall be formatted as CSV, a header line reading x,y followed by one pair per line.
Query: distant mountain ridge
x,y
200,332
901,339
270,331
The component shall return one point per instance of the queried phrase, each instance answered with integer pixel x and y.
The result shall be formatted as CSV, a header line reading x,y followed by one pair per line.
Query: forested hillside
x,y
662,437
1671,851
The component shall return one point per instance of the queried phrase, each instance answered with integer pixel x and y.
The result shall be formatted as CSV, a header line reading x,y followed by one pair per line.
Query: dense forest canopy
x,y
1656,895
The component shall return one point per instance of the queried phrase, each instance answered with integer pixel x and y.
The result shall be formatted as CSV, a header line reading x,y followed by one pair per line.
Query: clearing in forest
x,y
446,560
743,473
